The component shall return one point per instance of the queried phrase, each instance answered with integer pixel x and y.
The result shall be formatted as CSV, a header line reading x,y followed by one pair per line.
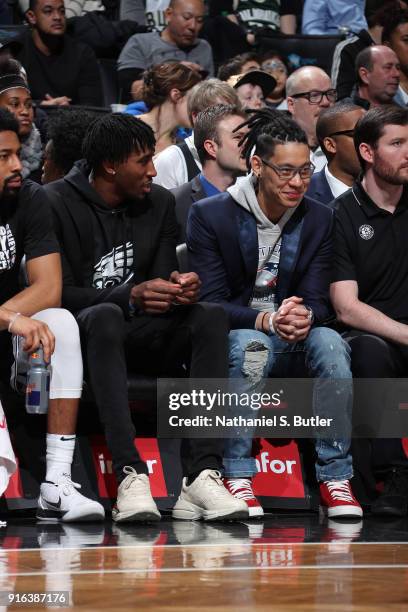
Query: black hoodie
x,y
92,235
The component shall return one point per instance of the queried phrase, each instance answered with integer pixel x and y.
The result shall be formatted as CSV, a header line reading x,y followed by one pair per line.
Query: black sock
x,y
191,478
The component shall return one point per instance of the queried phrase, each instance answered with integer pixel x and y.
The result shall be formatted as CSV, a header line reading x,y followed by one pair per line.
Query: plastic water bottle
x,y
38,384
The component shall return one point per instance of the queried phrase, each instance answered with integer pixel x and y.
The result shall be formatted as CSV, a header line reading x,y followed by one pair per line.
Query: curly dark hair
x,y
66,131
267,128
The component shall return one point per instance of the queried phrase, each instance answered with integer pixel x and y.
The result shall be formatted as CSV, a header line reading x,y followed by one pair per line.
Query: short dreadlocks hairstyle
x,y
266,129
114,137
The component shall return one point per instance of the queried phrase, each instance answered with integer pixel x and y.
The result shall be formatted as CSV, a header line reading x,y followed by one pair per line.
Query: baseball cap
x,y
255,77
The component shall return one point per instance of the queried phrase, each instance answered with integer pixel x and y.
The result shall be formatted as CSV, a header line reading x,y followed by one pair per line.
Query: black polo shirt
x,y
371,247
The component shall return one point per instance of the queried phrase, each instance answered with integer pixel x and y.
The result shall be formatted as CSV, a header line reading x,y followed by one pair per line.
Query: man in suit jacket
x,y
264,252
118,241
218,145
335,131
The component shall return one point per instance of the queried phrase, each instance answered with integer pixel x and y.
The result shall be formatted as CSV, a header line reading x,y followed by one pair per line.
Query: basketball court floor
x,y
292,561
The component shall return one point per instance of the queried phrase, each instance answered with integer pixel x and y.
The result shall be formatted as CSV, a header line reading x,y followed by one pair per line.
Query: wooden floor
x,y
284,563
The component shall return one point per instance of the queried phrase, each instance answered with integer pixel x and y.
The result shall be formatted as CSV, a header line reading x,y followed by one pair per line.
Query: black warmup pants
x,y
374,357
196,335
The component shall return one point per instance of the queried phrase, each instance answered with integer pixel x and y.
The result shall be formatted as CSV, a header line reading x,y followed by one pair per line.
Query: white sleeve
x,y
171,168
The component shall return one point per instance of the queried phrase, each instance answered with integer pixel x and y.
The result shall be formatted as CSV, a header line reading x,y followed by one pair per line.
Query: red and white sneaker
x,y
337,500
241,488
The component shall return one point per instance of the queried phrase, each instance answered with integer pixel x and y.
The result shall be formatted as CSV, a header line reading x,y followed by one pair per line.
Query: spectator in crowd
x,y
327,16
178,41
276,65
33,318
343,71
395,35
309,91
240,64
121,283
60,70
370,284
165,88
277,302
16,97
252,14
217,137
253,88
148,12
73,8
180,163
66,131
378,76
335,132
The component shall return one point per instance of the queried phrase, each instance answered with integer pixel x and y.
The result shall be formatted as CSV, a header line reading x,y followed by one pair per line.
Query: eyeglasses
x,y
343,133
315,97
286,173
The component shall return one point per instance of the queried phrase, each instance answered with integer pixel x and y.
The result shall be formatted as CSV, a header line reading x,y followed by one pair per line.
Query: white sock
x,y
60,451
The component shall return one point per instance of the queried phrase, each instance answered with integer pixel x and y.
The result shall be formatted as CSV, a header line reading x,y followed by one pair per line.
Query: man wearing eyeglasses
x,y
335,132
309,91
263,252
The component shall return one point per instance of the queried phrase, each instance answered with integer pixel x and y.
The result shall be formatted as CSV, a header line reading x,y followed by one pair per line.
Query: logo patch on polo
x,y
366,232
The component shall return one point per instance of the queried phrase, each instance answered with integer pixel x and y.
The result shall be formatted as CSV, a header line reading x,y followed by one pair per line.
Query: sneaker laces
x,y
241,488
67,484
133,478
214,482
340,490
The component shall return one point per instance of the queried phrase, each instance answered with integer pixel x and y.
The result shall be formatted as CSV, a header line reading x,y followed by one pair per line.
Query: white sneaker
x,y
207,498
61,501
134,501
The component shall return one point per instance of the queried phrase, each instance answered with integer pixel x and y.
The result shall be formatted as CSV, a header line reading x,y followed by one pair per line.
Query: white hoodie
x,y
269,243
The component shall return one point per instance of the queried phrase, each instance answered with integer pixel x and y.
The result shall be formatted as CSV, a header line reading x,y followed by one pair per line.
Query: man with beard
x,y
60,70
370,283
118,235
32,317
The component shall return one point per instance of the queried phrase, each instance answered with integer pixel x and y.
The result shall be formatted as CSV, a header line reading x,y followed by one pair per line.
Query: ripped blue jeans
x,y
324,354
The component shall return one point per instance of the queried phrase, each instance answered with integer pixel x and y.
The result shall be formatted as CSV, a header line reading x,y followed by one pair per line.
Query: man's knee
x,y
106,320
370,356
326,350
64,327
249,354
209,319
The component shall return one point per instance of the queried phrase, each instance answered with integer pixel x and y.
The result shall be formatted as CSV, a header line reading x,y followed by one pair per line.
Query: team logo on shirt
x,y
366,232
7,248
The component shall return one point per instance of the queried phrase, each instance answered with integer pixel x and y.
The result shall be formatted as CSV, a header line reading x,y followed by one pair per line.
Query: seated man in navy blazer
x,y
335,131
264,252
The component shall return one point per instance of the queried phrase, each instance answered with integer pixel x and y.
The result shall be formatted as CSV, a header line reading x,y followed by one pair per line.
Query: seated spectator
x,y
240,64
148,12
309,91
180,163
217,138
335,132
164,92
121,282
327,16
276,65
343,71
277,302
66,131
16,97
370,286
395,35
31,317
253,88
378,76
60,70
253,14
177,42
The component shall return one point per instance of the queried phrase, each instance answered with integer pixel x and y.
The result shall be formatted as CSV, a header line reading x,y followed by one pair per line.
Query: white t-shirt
x,y
171,165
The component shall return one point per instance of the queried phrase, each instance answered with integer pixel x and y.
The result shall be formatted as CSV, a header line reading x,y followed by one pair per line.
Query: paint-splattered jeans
x,y
323,355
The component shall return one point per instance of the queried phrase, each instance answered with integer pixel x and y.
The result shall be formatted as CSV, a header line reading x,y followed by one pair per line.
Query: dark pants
x,y
374,357
196,335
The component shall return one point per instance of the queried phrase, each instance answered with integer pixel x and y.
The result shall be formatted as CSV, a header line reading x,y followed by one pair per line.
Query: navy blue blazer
x,y
222,241
319,188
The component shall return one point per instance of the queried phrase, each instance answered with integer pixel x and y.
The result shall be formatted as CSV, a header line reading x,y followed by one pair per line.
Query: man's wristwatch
x,y
311,314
